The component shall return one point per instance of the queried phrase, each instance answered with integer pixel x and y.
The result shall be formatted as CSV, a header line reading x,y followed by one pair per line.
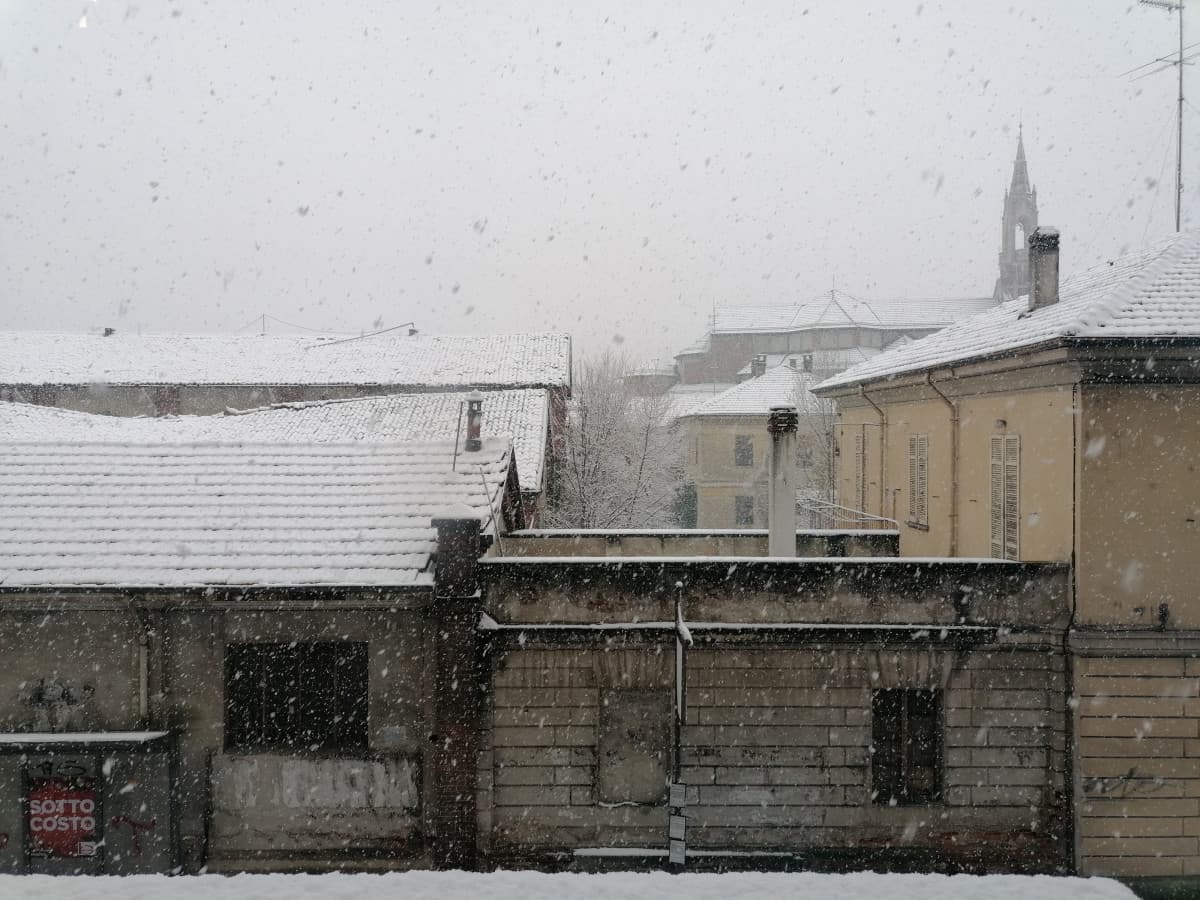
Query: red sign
x,y
62,817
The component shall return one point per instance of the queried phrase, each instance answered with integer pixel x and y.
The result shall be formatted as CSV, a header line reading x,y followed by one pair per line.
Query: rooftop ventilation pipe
x,y
1043,268
781,498
474,422
758,366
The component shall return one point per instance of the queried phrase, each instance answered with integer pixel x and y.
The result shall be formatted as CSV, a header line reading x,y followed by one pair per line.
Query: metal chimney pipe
x,y
474,422
1043,268
781,497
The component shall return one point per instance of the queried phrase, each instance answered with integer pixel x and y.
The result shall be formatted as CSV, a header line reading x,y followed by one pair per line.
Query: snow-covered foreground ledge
x,y
537,886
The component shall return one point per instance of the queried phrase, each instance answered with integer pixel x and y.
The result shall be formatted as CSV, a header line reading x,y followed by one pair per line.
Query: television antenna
x,y
1172,6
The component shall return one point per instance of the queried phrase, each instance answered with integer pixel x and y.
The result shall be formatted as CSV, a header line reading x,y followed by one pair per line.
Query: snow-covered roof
x,y
841,311
521,415
684,399
77,514
1151,293
441,361
780,386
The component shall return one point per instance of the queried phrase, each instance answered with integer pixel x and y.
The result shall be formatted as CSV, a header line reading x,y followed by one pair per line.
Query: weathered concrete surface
x,y
268,804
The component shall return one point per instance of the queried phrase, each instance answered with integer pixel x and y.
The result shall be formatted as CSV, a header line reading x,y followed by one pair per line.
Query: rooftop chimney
x,y
109,332
781,497
1043,268
758,366
474,421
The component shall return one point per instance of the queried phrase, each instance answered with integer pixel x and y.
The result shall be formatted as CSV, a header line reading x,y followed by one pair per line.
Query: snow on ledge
x,y
82,737
501,885
751,560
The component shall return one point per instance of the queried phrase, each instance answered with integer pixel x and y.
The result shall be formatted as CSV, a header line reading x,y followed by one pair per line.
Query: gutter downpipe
x,y
862,392
143,663
954,428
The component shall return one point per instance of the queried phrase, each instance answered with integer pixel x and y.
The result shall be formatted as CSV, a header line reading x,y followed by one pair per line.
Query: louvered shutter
x,y
922,479
1012,494
860,470
913,499
997,504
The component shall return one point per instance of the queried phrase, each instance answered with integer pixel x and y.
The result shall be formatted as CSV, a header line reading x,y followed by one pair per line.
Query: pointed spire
x,y
1020,179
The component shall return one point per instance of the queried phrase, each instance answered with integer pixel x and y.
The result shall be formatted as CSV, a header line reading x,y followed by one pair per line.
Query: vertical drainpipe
x,y
954,427
862,392
143,640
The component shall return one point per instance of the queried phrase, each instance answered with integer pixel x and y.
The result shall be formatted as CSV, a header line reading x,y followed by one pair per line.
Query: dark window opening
x,y
743,512
906,736
743,450
298,697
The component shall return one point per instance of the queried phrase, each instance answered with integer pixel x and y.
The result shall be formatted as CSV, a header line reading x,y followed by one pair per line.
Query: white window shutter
x,y
923,479
1012,496
913,497
997,490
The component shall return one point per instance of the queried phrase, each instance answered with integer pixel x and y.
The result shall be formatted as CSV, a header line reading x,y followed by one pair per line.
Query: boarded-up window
x,y
634,746
1005,453
743,450
743,512
906,743
298,697
918,480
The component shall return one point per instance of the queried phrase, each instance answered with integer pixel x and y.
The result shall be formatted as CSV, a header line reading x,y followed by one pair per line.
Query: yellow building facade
x,y
1068,430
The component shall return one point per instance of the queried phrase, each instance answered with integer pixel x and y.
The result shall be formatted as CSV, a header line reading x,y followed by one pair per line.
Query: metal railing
x,y
815,513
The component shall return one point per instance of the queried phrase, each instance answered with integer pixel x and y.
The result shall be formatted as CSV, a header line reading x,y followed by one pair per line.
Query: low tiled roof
x,y
441,361
781,386
842,311
76,514
521,416
1152,293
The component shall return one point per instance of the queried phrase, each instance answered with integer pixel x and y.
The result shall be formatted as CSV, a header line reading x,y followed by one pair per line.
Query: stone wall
x,y
777,752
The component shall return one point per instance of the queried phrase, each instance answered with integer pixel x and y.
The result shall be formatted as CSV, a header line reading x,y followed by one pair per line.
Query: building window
x,y
743,450
296,697
906,737
1006,496
918,480
860,470
634,746
743,512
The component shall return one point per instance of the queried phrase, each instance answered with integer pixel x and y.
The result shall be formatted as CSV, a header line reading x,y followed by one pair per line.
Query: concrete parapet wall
x,y
696,542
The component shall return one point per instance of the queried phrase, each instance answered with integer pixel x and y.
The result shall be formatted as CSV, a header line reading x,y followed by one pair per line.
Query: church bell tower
x,y
1020,220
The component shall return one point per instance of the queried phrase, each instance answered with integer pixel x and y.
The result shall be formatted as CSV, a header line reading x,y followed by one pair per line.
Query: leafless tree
x,y
619,462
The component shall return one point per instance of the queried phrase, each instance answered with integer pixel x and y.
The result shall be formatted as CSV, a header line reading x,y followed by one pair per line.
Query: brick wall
x,y
1138,722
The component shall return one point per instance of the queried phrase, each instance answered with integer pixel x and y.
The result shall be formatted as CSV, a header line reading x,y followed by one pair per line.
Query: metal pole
x,y
1179,126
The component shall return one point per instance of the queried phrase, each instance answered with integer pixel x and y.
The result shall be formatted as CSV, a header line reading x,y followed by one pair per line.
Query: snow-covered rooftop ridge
x,y
841,310
76,513
521,415
781,386
450,361
1150,293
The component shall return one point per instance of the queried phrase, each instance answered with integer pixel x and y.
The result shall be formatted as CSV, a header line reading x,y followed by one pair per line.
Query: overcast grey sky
x,y
608,169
